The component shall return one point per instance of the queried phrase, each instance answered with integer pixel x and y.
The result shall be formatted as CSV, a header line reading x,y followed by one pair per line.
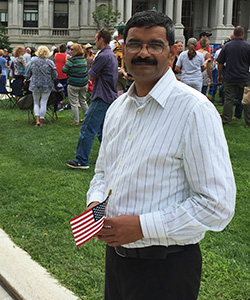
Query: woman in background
x,y
3,76
76,70
207,79
191,64
60,60
42,74
18,66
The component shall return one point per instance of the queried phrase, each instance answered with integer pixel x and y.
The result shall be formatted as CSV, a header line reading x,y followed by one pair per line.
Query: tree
x,y
105,16
4,39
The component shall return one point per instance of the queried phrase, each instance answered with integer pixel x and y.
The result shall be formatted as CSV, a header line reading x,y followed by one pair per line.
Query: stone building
x,y
51,22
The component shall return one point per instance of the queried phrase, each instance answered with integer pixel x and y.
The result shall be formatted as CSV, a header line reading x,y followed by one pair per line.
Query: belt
x,y
152,252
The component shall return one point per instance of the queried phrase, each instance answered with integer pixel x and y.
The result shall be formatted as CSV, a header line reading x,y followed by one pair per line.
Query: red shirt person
x,y
206,35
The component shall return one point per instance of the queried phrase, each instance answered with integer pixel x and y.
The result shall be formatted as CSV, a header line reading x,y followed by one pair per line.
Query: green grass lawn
x,y
39,195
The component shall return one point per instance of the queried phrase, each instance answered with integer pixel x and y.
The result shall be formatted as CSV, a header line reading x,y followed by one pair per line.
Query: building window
x,y
61,14
4,13
30,13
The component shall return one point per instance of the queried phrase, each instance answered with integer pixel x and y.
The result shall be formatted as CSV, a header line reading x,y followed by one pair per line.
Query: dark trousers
x,y
175,278
230,93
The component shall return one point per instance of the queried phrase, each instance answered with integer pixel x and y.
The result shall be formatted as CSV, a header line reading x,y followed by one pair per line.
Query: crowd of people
x,y
163,151
41,71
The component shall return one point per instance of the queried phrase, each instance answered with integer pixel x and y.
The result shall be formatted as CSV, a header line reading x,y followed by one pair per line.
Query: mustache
x,y
146,60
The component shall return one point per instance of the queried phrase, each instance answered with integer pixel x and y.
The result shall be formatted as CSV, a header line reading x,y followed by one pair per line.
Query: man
x,y
165,157
236,55
205,35
27,55
104,73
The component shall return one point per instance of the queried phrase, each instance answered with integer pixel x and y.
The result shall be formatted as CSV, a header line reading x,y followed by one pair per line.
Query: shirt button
x,y
138,111
121,164
130,138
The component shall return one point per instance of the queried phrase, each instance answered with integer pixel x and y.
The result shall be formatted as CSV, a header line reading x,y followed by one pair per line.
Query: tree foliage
x,y
105,16
4,39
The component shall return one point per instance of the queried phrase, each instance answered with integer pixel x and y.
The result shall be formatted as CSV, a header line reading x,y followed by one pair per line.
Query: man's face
x,y
143,65
98,42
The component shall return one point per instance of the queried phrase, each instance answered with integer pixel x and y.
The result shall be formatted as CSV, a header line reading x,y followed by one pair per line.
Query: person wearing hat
x,y
89,55
191,64
68,47
205,35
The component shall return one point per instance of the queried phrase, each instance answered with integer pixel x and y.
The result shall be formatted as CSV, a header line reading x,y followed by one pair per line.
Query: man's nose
x,y
144,51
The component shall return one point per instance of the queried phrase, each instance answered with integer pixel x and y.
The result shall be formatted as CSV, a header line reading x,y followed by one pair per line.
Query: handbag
x,y
246,96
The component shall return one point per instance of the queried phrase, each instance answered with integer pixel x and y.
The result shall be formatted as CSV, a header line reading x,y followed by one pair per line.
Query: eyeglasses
x,y
152,48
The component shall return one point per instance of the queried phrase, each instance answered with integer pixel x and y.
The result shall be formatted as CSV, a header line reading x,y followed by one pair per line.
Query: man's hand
x,y
120,230
91,205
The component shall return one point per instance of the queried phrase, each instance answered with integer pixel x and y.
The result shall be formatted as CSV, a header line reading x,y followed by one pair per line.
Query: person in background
x,y
52,56
27,55
104,74
179,49
191,64
4,68
42,74
89,55
77,73
207,79
236,55
7,57
165,157
68,47
60,60
203,35
19,65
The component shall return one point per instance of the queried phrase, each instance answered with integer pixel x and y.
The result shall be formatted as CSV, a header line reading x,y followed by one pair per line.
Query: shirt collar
x,y
162,89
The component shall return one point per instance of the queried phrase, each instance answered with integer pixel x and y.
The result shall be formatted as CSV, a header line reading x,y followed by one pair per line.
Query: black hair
x,y
149,19
105,34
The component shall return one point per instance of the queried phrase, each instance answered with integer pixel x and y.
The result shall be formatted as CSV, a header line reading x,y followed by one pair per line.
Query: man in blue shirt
x,y
104,73
236,55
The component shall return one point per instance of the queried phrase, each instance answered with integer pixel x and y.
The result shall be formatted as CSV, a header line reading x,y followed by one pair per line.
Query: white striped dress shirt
x,y
167,161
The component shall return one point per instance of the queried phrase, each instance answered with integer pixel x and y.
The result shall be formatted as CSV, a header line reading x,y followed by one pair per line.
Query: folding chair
x,y
26,103
6,97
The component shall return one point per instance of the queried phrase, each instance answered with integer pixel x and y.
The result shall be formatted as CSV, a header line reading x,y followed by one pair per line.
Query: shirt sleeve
x,y
209,175
98,65
67,66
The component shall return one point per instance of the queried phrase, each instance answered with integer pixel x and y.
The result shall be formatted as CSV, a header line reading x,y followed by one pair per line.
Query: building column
x,y
43,14
74,7
92,8
179,28
84,8
205,13
15,17
128,10
169,8
219,12
120,8
228,13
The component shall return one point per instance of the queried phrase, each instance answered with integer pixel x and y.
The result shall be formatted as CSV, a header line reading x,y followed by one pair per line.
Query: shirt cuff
x,y
152,225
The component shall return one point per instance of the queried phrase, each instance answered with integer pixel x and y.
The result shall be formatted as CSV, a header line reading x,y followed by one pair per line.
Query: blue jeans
x,y
91,126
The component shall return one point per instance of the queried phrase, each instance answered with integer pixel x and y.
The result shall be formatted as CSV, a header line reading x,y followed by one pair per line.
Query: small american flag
x,y
89,223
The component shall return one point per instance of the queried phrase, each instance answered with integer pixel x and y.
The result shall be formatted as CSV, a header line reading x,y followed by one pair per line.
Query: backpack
x,y
119,55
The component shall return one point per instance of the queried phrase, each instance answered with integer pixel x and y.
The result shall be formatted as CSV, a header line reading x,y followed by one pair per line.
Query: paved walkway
x,y
24,278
